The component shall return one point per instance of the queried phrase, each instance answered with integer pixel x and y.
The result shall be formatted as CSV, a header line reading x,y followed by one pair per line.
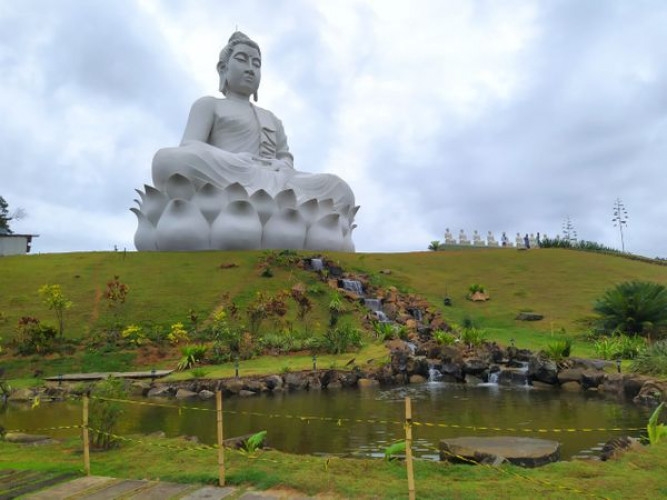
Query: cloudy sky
x,y
487,115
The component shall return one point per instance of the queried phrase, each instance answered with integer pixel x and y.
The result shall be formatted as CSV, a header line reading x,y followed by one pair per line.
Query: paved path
x,y
82,377
35,485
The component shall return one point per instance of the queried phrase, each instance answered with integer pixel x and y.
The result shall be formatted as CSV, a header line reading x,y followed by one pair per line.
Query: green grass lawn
x,y
637,475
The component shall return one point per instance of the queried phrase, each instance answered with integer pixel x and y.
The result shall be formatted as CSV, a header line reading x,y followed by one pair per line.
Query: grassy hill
x,y
166,287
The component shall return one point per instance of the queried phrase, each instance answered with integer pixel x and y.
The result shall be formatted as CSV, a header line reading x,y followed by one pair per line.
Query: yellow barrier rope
x,y
340,420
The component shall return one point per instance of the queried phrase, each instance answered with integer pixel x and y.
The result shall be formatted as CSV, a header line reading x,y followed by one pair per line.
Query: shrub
x,y
655,430
104,415
619,346
340,339
444,338
476,287
384,330
32,337
652,360
472,336
192,355
559,350
634,307
53,297
134,335
177,334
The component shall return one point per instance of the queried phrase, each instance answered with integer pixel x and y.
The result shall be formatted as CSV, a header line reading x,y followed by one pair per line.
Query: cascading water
x,y
434,375
352,286
316,264
373,304
416,313
493,377
412,347
381,317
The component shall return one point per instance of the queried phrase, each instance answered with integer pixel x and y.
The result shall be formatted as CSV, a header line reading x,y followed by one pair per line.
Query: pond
x,y
484,405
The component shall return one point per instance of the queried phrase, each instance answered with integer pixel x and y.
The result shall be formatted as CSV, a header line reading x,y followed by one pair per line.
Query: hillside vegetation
x,y
166,288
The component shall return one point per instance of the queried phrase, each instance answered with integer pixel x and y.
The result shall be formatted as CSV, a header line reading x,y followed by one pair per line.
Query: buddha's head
x,y
240,66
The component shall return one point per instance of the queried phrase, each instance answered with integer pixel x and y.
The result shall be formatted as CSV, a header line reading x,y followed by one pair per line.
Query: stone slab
x,y
78,377
526,452
161,491
116,490
209,493
71,488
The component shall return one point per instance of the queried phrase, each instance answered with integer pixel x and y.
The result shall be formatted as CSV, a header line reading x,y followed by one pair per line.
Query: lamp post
x,y
618,365
236,366
314,362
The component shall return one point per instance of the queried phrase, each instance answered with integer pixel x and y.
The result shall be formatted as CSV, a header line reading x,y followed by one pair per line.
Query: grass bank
x,y
637,475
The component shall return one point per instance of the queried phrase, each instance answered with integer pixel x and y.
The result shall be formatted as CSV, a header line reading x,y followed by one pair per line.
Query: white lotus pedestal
x,y
183,218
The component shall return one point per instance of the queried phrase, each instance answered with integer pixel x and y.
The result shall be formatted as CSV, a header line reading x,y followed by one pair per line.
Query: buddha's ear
x,y
223,81
254,96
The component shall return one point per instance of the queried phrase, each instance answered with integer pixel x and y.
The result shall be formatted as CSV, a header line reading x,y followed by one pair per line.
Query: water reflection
x,y
436,402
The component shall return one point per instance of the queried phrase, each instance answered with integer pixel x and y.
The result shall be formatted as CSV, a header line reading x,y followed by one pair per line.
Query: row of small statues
x,y
527,241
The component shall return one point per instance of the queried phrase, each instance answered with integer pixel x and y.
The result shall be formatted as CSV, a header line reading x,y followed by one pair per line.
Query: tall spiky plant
x,y
634,307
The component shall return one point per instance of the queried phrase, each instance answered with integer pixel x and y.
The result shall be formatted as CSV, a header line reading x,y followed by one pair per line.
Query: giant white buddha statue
x,y
231,183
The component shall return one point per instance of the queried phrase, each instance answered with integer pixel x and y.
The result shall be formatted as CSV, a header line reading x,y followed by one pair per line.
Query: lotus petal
x,y
154,203
285,229
326,206
236,192
237,228
210,200
264,204
309,210
141,194
286,199
145,237
182,227
179,187
325,234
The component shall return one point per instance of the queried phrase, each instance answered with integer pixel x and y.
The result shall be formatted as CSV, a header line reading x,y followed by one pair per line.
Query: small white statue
x,y
491,240
532,241
520,241
449,238
477,239
463,239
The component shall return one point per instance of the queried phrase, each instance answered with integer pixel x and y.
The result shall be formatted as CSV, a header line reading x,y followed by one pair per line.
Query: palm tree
x,y
635,307
434,246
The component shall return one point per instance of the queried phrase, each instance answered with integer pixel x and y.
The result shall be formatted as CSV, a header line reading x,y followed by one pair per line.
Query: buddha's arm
x,y
200,121
282,149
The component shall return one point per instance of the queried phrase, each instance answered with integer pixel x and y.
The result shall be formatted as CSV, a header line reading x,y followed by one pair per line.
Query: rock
x,y
514,353
612,383
314,383
273,382
569,375
453,370
571,386
363,383
335,385
591,379
632,385
246,394
206,394
615,447
20,437
296,381
255,385
541,385
157,435
478,297
158,392
140,388
652,393
417,379
512,377
239,442
528,316
350,379
522,451
543,370
21,395
233,386
385,271
474,366
185,394
589,364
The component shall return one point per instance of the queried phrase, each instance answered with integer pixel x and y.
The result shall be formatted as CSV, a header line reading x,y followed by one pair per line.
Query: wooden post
x,y
408,448
221,450
86,442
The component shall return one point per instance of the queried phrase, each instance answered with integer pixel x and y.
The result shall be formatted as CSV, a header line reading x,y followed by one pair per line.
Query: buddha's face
x,y
244,70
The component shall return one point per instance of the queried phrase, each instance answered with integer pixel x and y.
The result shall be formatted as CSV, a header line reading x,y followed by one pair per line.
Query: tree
x,y
569,233
6,216
434,245
620,219
635,307
53,297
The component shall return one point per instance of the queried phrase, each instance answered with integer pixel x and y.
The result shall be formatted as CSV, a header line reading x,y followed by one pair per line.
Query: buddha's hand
x,y
273,164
